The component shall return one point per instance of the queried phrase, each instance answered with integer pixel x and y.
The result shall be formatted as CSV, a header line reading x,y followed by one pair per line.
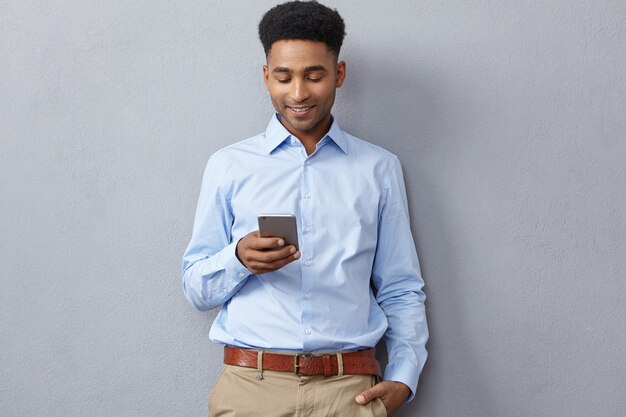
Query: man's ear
x,y
266,76
341,73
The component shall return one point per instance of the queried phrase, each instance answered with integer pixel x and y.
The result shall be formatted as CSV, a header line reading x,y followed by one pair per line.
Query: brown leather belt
x,y
361,362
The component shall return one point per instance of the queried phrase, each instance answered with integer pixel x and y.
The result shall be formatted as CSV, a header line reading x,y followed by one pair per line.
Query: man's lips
x,y
300,110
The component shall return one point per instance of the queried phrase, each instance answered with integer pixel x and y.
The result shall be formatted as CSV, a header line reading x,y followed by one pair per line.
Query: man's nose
x,y
299,91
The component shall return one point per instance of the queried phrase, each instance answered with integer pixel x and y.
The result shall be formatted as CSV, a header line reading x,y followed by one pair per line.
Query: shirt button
x,y
307,296
241,274
307,263
308,163
307,229
307,195
307,331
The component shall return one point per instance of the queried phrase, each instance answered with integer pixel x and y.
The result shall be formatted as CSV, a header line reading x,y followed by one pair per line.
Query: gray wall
x,y
509,118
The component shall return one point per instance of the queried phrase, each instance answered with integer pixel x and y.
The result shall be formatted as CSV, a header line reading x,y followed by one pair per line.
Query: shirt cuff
x,y
233,267
405,373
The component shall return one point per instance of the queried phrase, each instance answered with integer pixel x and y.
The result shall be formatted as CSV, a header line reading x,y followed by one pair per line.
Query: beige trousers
x,y
239,393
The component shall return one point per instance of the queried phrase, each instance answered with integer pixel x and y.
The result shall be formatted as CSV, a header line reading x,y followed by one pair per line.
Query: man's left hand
x,y
392,393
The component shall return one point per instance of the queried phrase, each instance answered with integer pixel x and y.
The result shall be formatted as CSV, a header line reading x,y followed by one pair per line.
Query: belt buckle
x,y
296,362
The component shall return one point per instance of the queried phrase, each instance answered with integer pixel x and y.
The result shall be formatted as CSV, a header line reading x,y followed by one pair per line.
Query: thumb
x,y
369,394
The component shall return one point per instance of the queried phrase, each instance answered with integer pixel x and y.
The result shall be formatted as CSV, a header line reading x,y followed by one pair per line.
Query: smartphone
x,y
279,225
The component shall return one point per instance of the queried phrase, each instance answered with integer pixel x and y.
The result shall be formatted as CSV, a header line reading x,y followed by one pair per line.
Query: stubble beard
x,y
302,125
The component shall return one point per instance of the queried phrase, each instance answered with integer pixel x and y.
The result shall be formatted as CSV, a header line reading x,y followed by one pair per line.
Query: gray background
x,y
509,118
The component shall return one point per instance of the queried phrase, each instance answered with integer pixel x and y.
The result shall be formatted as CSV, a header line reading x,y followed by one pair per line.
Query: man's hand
x,y
392,393
259,255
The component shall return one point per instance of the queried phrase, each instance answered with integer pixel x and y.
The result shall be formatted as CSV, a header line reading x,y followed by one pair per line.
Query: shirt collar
x,y
276,134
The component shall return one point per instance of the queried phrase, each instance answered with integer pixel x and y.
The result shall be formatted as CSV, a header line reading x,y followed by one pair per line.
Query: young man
x,y
299,326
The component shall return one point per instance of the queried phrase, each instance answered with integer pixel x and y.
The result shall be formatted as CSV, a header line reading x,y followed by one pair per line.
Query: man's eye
x,y
315,79
283,81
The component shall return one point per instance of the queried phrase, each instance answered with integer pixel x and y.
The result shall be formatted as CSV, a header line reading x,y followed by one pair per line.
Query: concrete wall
x,y
509,118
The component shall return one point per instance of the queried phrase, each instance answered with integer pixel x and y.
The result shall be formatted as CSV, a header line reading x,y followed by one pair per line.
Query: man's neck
x,y
311,138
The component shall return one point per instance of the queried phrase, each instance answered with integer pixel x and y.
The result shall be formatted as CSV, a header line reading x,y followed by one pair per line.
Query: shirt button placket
x,y
307,254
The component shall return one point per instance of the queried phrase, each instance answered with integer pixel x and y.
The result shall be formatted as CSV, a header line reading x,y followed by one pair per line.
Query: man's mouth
x,y
300,110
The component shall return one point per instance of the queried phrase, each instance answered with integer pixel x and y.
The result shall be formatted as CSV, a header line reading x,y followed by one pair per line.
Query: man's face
x,y
302,77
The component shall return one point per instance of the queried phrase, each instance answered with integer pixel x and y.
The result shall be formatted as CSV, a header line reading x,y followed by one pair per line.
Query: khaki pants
x,y
238,393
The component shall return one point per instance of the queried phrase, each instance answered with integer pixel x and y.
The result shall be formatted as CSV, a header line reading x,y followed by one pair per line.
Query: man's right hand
x,y
254,253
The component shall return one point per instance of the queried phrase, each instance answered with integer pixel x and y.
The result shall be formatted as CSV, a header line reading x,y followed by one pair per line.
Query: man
x,y
299,326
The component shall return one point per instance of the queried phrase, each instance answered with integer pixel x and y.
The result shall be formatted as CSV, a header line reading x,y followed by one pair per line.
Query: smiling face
x,y
302,77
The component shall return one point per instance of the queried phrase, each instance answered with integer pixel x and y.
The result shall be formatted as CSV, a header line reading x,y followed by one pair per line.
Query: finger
x,y
275,254
254,241
277,263
268,256
260,243
368,395
259,262
262,267
283,261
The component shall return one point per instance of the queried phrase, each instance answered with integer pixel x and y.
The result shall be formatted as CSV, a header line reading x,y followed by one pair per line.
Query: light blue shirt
x,y
353,224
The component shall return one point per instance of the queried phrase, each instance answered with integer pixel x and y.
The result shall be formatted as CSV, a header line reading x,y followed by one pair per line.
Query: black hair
x,y
307,20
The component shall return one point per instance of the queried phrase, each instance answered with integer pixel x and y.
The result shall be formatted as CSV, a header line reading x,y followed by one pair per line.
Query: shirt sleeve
x,y
212,274
396,276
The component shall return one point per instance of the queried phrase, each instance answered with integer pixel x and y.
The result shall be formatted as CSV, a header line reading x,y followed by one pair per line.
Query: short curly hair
x,y
308,20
